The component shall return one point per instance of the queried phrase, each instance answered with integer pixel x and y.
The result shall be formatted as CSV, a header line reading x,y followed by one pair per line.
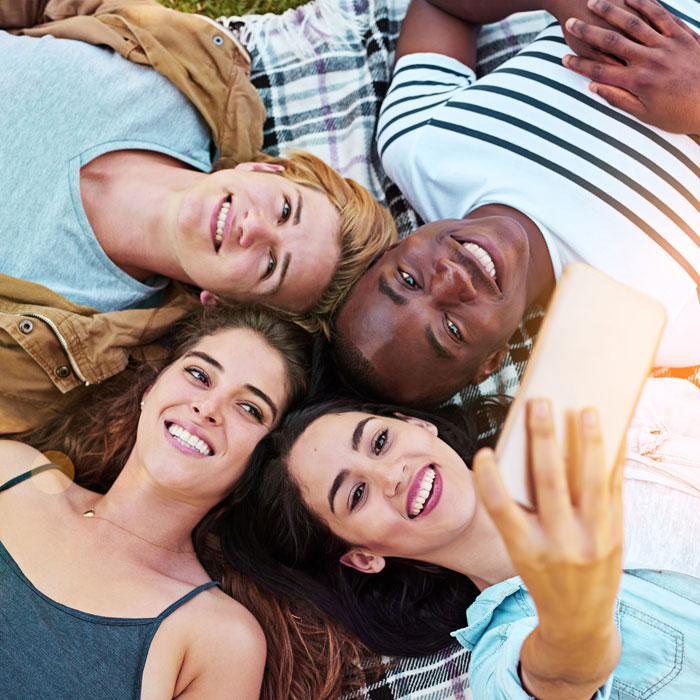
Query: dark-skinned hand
x,y
658,79
565,9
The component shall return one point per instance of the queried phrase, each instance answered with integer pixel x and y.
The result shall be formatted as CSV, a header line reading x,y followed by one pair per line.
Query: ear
x,y
430,427
208,299
490,365
264,167
363,560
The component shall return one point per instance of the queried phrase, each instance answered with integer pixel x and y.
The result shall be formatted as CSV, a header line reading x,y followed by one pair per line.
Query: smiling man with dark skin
x,y
547,172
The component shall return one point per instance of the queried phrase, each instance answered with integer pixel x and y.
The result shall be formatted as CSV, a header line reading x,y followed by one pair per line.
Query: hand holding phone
x,y
595,349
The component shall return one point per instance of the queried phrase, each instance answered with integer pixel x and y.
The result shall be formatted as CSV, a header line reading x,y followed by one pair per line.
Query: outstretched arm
x,y
658,77
568,554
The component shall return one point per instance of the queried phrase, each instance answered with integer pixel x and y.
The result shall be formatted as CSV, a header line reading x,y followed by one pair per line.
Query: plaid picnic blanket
x,y
322,71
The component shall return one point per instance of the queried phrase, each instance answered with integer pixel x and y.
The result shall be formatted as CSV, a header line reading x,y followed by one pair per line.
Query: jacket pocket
x,y
652,655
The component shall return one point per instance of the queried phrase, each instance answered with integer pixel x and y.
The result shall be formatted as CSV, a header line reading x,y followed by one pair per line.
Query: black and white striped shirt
x,y
602,186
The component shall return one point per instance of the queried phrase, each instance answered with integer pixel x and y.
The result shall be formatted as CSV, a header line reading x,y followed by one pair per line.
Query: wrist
x,y
571,668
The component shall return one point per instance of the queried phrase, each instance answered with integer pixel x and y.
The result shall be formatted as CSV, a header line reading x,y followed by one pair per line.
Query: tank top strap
x,y
23,477
186,597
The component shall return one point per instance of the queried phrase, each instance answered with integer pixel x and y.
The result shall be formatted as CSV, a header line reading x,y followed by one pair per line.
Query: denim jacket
x,y
657,613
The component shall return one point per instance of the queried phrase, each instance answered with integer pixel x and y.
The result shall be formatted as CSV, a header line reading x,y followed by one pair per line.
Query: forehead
x,y
396,339
246,357
323,449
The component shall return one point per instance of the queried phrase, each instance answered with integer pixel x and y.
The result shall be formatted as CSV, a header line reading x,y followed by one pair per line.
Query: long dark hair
x,y
408,609
307,656
98,432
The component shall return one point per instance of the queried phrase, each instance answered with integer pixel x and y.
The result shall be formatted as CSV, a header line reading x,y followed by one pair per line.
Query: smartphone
x,y
595,348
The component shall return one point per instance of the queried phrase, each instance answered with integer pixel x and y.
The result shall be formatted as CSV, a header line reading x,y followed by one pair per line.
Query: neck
x,y
131,200
540,275
479,553
139,505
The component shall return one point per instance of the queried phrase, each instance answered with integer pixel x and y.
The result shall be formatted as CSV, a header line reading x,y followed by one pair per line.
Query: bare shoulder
x,y
227,650
17,458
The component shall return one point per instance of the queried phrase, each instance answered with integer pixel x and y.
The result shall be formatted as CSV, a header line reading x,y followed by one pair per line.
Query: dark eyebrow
x,y
280,279
297,213
385,289
207,358
337,483
434,343
357,433
265,398
258,392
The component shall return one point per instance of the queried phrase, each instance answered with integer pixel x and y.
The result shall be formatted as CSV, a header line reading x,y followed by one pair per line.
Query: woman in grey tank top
x,y
103,594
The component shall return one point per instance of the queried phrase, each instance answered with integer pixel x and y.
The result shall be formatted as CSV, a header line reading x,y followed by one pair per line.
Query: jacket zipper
x,y
63,343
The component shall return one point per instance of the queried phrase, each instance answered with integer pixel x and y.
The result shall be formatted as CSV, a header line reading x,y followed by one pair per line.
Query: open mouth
x,y
423,492
219,224
483,259
188,441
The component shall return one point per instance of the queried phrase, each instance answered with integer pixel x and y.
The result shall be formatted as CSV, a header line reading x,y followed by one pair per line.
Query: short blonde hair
x,y
366,230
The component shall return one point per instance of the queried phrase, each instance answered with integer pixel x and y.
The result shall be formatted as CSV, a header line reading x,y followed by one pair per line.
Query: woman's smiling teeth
x,y
189,440
220,221
426,487
483,257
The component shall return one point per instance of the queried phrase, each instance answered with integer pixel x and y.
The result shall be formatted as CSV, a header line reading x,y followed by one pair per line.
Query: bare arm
x,y
226,658
428,29
568,554
484,11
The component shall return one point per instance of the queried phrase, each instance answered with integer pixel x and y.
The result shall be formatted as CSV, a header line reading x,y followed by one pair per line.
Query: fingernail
x,y
589,417
540,409
593,87
571,24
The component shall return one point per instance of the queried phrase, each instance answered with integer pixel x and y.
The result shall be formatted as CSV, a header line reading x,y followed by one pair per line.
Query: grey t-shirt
x,y
63,104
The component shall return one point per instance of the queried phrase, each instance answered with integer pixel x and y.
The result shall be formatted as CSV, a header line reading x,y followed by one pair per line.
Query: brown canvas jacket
x,y
199,56
49,346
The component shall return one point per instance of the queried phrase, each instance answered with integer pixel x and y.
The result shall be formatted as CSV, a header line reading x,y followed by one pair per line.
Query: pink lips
x,y
433,496
190,451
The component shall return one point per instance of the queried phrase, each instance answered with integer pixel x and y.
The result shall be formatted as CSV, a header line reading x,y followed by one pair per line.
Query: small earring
x,y
141,404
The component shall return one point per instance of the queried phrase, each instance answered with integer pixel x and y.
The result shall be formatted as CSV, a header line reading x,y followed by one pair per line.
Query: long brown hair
x,y
304,661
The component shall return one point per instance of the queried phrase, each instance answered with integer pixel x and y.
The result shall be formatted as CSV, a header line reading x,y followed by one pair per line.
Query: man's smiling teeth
x,y
426,487
220,221
188,440
483,257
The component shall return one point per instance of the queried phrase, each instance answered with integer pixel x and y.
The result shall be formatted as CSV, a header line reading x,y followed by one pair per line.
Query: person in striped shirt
x,y
521,172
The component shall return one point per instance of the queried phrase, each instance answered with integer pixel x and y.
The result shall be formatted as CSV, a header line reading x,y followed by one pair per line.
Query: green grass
x,y
216,8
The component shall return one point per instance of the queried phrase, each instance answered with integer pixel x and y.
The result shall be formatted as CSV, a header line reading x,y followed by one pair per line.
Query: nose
x,y
451,284
207,411
255,227
391,477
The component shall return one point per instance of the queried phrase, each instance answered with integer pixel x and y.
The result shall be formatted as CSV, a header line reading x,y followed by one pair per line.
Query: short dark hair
x,y
272,536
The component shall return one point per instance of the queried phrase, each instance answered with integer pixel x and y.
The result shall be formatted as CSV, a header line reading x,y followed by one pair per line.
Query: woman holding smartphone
x,y
377,519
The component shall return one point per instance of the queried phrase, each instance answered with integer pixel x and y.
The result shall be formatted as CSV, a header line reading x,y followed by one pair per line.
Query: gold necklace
x,y
90,513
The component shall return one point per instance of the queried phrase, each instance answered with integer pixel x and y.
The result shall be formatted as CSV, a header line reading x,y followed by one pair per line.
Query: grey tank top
x,y
48,650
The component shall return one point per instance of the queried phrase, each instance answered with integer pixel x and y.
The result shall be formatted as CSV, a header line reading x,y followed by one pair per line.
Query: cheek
x,y
243,436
